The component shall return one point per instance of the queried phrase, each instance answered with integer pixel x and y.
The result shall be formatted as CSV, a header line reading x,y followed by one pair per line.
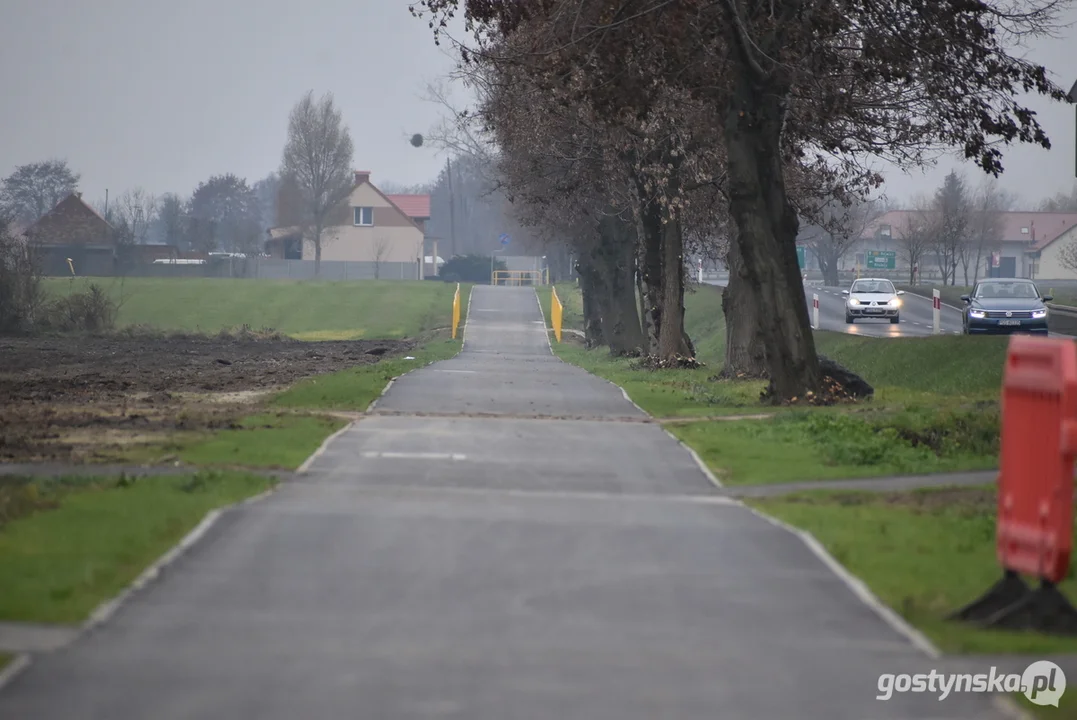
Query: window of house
x,y
364,216
1024,231
884,230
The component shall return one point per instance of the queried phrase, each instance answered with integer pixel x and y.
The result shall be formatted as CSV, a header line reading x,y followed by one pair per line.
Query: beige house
x,y
369,227
1049,260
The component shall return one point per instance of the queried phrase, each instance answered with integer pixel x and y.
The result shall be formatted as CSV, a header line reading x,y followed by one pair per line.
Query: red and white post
x,y
936,312
815,311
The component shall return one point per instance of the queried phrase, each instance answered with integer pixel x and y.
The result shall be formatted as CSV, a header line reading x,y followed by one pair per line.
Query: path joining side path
x,y
486,562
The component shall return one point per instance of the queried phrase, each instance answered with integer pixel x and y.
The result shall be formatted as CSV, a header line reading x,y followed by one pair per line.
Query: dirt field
x,y
82,399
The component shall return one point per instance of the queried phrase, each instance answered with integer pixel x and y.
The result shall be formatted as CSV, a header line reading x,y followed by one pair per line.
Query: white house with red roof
x,y
369,226
1029,247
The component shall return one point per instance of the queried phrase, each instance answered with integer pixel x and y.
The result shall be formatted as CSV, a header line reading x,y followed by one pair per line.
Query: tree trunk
x,y
745,355
767,227
615,257
651,275
828,264
671,335
317,251
592,312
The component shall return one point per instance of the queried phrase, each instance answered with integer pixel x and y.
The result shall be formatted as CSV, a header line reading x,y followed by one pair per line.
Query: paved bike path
x,y
505,567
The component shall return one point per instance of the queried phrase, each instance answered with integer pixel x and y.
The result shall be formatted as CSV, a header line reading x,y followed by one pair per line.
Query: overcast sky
x,y
164,94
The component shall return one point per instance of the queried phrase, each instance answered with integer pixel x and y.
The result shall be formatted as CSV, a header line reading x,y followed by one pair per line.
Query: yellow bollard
x,y
556,313
455,311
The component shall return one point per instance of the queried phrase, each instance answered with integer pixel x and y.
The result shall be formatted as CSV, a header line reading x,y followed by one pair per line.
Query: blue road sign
x,y
504,238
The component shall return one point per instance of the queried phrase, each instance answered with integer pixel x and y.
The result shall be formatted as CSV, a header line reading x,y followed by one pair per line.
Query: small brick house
x,y
73,230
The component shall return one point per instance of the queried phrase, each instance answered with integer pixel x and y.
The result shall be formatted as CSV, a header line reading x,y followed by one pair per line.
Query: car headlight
x,y
977,313
1039,314
854,301
896,302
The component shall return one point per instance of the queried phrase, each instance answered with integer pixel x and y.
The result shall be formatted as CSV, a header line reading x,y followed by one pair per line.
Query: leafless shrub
x,y
91,310
21,293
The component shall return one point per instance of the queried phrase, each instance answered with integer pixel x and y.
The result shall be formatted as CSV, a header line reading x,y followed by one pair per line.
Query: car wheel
x,y
895,320
848,318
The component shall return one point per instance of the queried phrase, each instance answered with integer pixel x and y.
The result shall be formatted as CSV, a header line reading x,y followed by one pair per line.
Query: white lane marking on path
x,y
468,372
414,455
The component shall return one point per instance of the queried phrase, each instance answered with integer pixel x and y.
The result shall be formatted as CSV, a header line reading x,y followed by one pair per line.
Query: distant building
x,y
73,230
1027,249
369,226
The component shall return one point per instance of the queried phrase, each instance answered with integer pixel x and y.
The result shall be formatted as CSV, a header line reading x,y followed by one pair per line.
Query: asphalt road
x,y
916,318
490,562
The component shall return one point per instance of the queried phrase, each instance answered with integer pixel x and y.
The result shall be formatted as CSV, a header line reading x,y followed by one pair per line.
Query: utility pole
x,y
452,211
1073,99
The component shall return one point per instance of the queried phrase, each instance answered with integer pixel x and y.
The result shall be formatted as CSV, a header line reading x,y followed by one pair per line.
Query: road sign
x,y
800,257
504,239
880,259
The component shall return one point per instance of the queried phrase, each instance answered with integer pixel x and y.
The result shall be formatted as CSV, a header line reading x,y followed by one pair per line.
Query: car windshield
x,y
1007,290
873,286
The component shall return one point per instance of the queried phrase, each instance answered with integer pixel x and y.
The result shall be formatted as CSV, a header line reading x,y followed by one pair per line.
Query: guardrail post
x,y
815,311
455,311
556,312
936,312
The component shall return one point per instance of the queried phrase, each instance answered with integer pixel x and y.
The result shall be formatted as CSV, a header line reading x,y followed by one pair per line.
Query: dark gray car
x,y
1004,306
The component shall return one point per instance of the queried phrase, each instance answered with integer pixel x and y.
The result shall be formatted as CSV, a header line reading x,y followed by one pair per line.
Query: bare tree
x,y
138,209
381,251
836,230
1067,255
318,156
985,227
954,219
1062,202
172,218
916,234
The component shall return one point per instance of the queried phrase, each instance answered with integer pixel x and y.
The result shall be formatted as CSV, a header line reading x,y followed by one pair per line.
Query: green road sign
x,y
880,259
800,257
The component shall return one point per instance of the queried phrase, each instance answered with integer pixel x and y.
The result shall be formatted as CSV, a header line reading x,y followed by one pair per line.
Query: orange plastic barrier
x,y
1038,442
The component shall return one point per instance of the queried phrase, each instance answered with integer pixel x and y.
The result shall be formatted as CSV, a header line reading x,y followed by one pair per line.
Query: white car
x,y
873,298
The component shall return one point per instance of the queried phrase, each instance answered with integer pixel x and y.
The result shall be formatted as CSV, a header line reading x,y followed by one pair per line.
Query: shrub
x,y
91,310
21,292
471,268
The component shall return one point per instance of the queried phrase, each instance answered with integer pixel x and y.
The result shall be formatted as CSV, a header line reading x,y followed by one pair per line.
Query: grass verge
x,y
355,388
807,445
306,310
925,553
5,659
69,544
268,440
935,408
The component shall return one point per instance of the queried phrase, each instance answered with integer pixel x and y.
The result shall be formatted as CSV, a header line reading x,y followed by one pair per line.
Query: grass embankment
x,y
305,310
68,544
935,407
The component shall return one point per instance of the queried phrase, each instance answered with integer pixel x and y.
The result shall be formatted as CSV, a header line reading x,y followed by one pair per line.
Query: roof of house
x,y
1038,229
72,220
416,207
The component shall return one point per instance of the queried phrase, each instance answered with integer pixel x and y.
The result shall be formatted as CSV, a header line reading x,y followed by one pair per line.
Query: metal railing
x,y
519,277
